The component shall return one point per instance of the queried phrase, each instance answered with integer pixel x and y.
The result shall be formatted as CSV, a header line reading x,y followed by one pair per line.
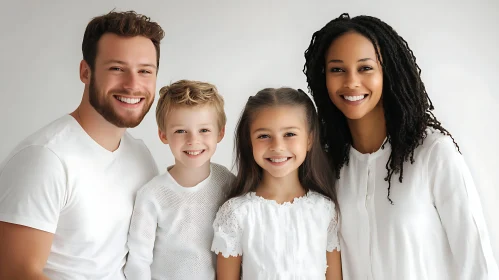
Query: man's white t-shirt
x,y
59,180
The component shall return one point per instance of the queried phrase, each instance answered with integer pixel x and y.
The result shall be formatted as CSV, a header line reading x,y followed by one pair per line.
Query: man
x,y
67,191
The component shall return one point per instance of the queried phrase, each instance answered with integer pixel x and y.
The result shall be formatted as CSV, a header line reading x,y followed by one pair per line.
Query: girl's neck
x,y
280,189
369,132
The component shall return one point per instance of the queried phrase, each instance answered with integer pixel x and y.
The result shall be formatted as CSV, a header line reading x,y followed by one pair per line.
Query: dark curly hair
x,y
407,107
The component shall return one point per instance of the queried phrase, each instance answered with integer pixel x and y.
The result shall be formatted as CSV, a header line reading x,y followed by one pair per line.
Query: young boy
x,y
171,228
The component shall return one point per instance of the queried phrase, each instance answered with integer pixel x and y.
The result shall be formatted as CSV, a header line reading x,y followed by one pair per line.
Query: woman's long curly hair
x,y
407,107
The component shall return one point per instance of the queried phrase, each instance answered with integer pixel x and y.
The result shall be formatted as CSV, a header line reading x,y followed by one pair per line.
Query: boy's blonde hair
x,y
188,93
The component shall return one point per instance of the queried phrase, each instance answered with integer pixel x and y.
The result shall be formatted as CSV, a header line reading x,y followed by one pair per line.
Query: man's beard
x,y
104,106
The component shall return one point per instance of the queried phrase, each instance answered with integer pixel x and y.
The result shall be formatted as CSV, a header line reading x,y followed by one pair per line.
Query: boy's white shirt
x,y
171,228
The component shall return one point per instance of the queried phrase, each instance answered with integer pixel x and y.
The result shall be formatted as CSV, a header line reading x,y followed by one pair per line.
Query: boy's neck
x,y
188,176
281,189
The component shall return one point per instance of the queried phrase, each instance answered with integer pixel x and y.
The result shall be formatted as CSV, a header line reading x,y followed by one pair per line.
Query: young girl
x,y
409,207
281,221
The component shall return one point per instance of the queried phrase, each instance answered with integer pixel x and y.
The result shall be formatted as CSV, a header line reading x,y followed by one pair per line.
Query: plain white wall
x,y
244,46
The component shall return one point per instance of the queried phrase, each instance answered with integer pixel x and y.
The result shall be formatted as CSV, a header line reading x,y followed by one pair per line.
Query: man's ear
x,y
162,136
221,134
85,72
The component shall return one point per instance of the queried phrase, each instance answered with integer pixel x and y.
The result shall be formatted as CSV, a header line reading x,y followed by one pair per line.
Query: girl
x,y
281,216
409,207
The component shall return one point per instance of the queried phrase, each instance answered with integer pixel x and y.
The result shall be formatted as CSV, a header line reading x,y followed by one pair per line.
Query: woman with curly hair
x,y
409,207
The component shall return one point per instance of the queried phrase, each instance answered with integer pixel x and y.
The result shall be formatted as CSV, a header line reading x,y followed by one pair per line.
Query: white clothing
x,y
171,229
59,180
434,230
278,241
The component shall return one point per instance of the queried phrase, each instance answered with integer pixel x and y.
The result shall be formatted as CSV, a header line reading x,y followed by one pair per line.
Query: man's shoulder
x,y
49,137
51,133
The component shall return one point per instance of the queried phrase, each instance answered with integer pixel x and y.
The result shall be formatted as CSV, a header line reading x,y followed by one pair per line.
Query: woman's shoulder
x,y
438,143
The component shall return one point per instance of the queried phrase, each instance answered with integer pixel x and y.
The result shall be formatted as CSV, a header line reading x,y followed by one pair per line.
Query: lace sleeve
x,y
227,231
333,242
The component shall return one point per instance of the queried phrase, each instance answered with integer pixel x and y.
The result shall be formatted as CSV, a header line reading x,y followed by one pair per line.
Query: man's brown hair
x,y
127,24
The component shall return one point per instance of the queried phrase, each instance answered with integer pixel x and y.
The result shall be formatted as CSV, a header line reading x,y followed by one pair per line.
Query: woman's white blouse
x,y
434,230
278,241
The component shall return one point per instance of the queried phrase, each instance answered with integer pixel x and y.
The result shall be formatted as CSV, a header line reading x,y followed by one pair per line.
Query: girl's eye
x,y
289,134
263,136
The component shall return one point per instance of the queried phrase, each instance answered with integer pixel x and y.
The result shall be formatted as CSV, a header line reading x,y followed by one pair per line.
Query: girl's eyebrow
x,y
284,128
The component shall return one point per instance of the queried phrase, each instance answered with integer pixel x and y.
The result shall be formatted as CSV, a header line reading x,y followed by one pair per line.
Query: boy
x,y
171,229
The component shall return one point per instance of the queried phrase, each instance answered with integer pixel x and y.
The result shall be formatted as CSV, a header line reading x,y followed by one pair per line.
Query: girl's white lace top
x,y
278,241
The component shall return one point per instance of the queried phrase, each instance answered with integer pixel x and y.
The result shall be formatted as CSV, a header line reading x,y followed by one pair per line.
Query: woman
x,y
409,207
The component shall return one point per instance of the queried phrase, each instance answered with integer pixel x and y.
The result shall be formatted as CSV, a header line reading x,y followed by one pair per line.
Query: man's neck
x,y
99,129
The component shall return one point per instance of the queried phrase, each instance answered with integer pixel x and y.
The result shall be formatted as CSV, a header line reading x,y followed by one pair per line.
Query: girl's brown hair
x,y
315,173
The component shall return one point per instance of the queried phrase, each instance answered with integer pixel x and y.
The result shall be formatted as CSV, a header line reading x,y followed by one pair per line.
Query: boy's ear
x,y
162,136
221,134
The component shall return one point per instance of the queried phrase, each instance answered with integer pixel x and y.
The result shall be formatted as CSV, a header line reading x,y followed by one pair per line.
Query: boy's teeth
x,y
128,100
353,97
278,159
193,153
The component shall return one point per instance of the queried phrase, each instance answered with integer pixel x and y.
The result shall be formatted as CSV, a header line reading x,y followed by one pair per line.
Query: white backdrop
x,y
244,46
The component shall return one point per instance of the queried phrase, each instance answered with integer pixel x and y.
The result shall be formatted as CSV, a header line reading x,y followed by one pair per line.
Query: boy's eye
x,y
180,131
289,134
204,130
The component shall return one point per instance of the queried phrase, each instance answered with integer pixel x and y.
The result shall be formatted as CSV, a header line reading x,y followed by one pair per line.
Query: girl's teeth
x,y
128,100
278,159
353,97
194,153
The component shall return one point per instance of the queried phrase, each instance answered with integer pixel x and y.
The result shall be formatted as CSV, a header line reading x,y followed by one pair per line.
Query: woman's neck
x,y
369,133
281,189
